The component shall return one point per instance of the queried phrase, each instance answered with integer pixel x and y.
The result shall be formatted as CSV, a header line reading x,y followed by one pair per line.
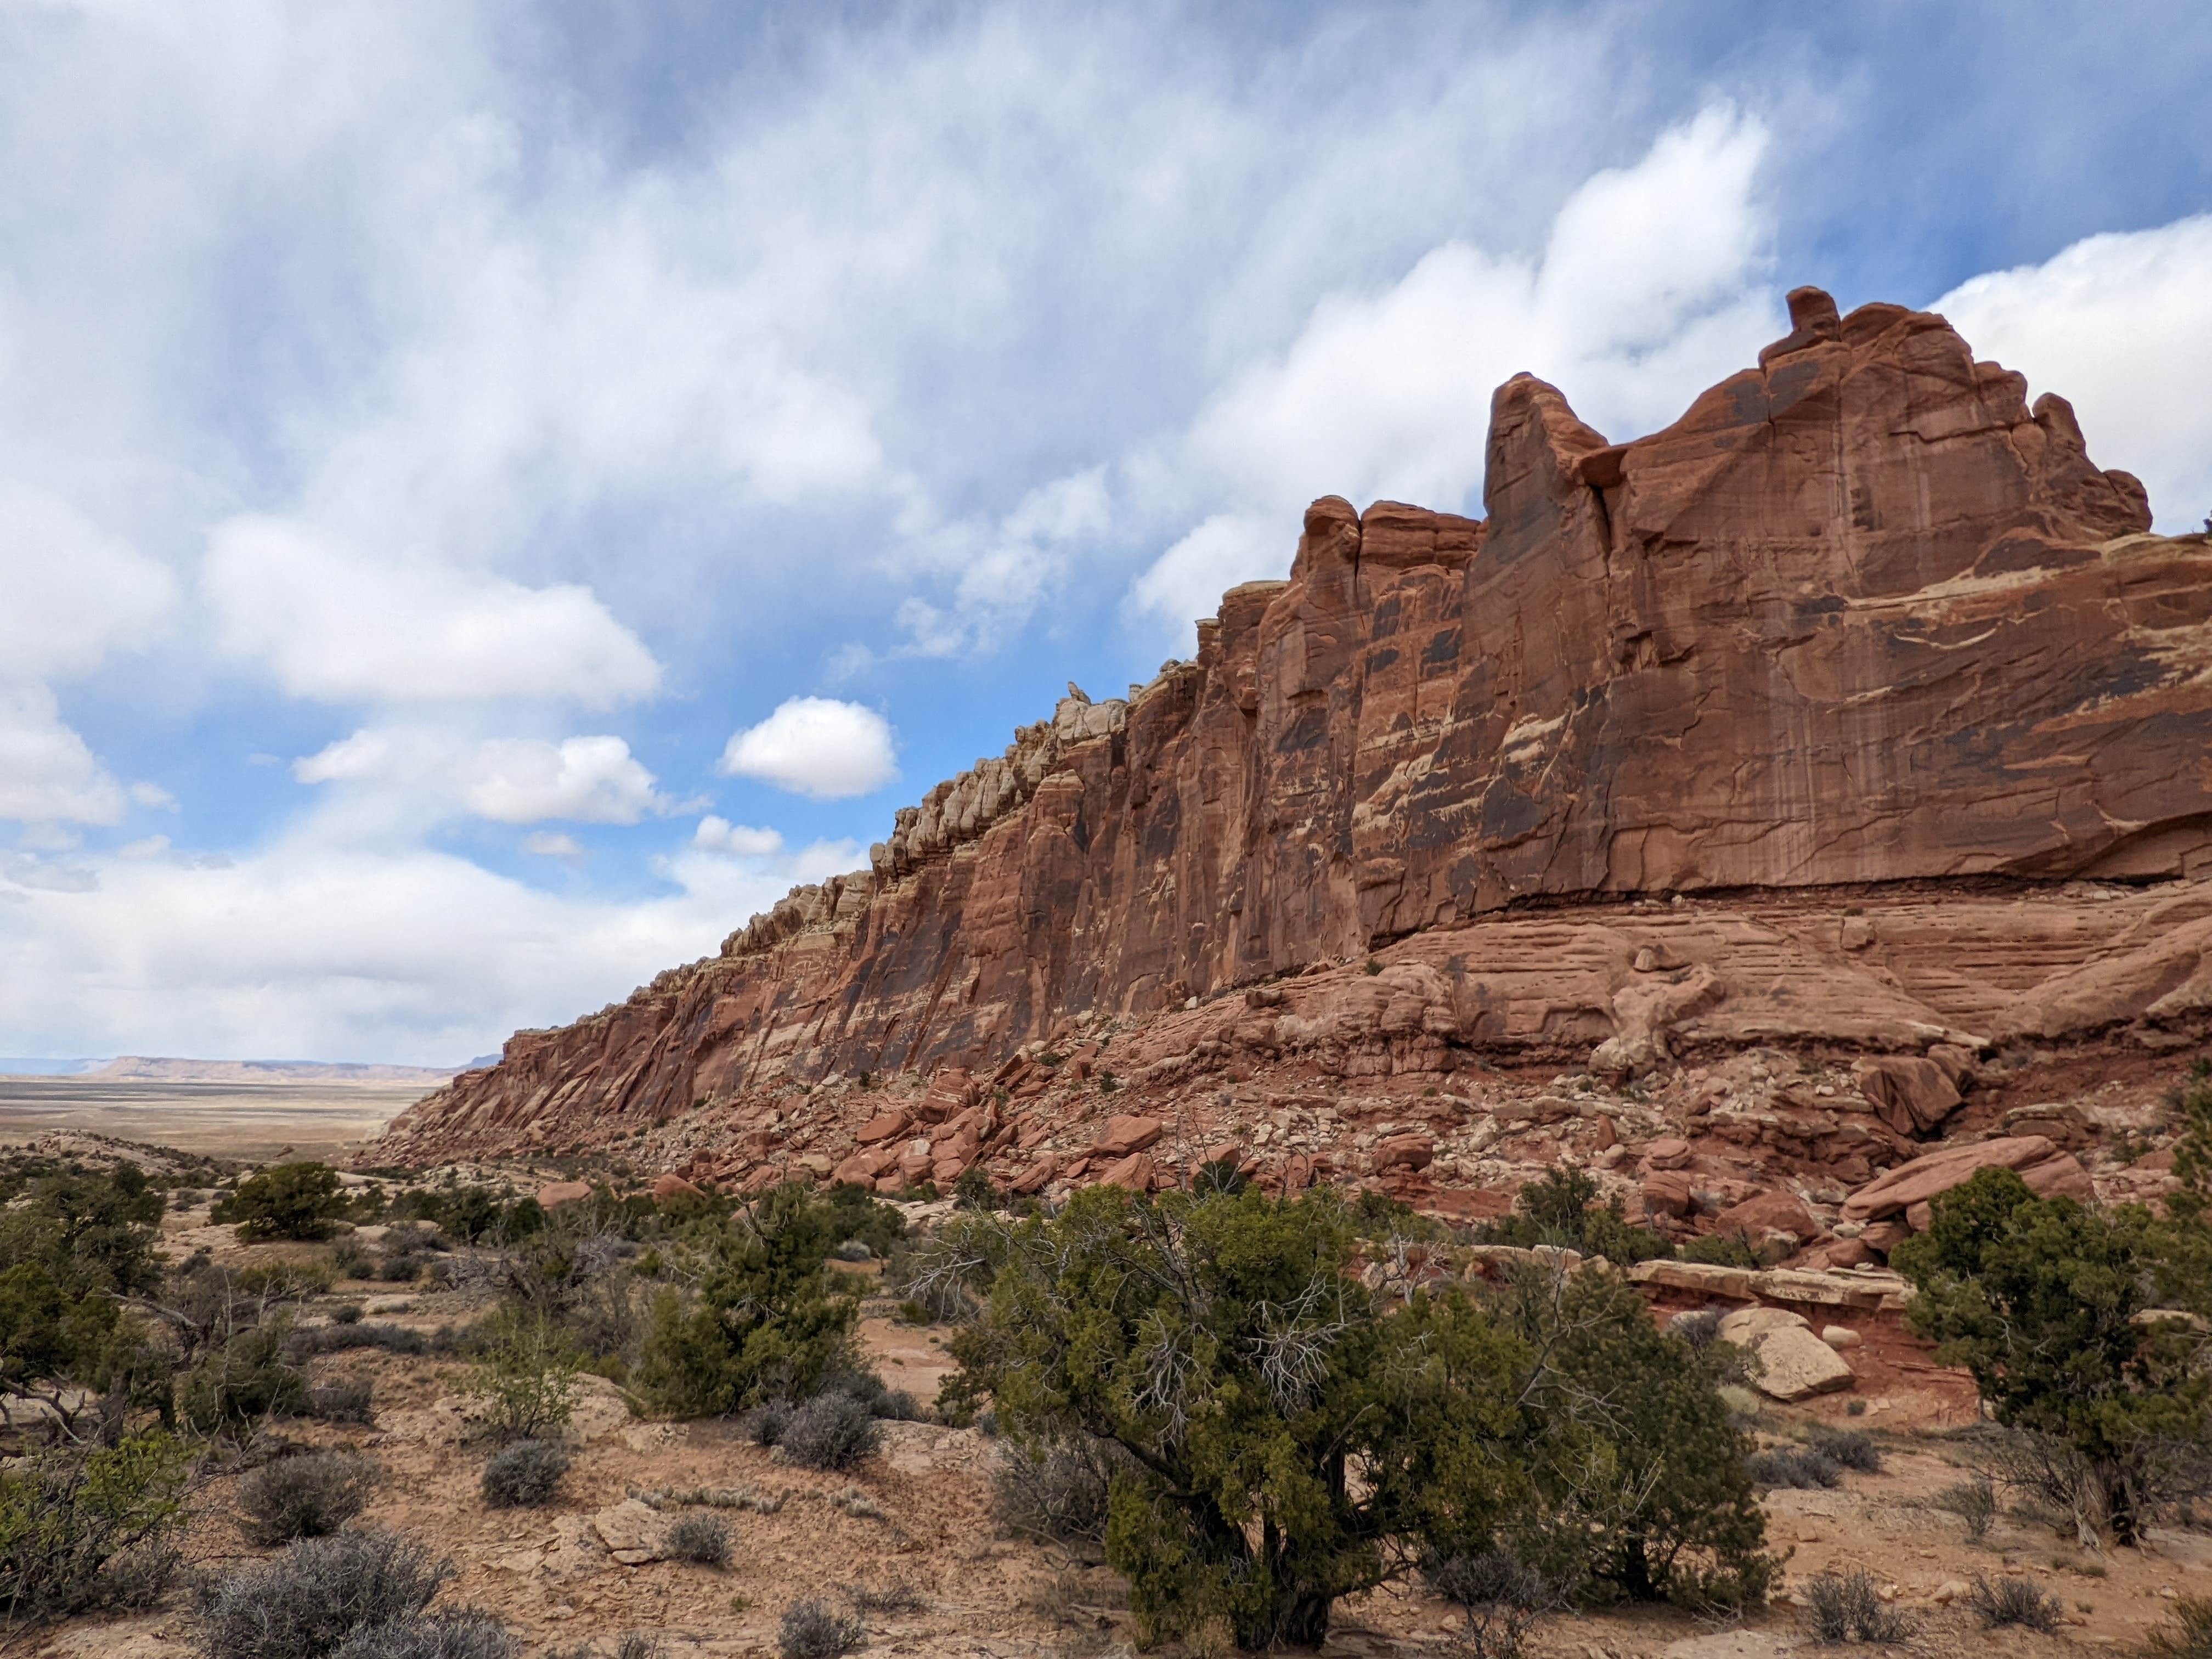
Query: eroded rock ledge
x,y
1863,644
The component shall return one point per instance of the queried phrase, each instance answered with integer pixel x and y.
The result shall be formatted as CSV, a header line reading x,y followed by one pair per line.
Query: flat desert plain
x,y
250,1120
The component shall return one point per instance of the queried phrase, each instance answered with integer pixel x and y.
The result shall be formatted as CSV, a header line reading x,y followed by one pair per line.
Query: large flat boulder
x,y
1907,1190
1125,1134
1792,1363
632,1533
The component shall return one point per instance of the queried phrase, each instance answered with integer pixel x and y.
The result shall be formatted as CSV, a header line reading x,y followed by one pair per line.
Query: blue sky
x,y
490,495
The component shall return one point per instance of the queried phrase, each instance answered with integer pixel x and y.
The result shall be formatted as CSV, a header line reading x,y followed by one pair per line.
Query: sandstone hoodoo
x,y
1797,775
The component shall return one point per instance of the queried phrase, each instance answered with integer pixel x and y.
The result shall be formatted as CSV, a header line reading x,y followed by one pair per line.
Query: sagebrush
x,y
305,1497
810,1631
1848,1606
524,1474
703,1539
321,1593
830,1432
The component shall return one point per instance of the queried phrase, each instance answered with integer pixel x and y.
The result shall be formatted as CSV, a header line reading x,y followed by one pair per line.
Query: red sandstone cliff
x,y
1860,617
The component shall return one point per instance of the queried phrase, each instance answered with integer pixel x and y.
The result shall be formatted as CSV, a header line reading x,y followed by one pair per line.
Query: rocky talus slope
x,y
1820,781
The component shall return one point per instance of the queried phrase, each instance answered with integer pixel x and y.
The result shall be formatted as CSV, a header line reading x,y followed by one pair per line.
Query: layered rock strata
x,y
1862,668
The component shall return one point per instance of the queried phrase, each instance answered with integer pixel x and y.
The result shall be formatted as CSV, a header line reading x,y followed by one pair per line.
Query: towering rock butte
x,y
1863,656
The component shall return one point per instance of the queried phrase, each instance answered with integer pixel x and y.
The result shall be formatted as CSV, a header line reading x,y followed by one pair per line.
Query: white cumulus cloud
x,y
332,623
72,592
816,746
338,952
584,779
2120,325
719,835
552,844
46,772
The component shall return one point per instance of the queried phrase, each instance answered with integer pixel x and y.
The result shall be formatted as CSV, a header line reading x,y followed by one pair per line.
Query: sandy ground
x,y
919,1515
246,1120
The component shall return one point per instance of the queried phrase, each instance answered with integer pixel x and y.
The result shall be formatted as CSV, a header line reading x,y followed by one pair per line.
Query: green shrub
x,y
2040,1298
524,1475
975,1191
1640,1487
1289,1441
527,1378
247,1379
854,1211
70,1245
769,1319
2192,1152
1219,1175
290,1200
1721,1250
473,1213
304,1497
82,1529
1561,1209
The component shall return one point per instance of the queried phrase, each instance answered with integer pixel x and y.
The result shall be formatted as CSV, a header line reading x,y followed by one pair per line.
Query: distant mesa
x,y
141,1068
39,1066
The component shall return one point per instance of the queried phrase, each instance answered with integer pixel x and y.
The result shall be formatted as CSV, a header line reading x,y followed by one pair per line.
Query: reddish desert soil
x,y
919,1515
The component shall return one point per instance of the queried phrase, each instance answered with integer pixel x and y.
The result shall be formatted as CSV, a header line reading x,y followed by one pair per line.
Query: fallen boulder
x,y
1407,1151
1666,1193
1907,1190
1908,1095
862,1168
1792,1363
884,1126
1137,1172
1123,1135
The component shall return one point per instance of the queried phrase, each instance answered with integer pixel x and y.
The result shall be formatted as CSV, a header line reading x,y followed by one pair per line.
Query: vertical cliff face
x,y
1860,615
